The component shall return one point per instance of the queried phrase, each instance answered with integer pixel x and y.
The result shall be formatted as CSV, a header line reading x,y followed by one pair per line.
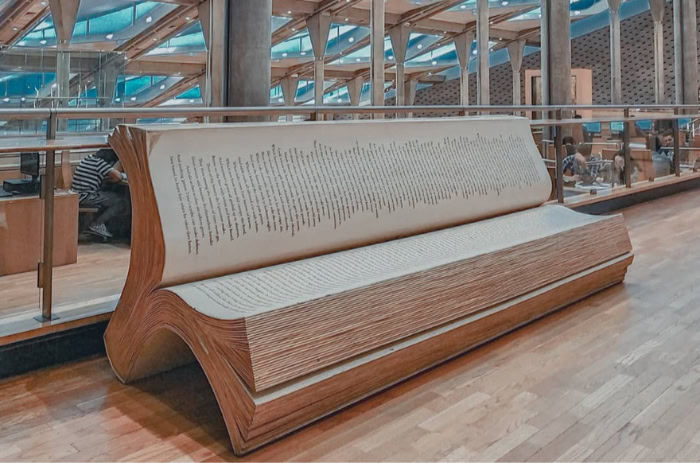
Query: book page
x,y
236,197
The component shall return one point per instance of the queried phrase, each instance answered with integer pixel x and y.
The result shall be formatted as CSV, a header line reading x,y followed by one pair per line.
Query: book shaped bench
x,y
306,266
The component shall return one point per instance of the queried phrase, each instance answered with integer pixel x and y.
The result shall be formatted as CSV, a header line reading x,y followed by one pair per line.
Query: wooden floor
x,y
97,277
614,378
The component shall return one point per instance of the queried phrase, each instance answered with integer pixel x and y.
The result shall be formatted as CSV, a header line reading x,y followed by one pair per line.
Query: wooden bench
x,y
306,266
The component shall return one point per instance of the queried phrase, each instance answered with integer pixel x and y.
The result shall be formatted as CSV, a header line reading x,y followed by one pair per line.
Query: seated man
x,y
88,182
663,155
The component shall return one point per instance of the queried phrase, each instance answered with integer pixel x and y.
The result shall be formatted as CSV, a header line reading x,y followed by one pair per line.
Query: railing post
x,y
627,149
47,187
677,145
559,150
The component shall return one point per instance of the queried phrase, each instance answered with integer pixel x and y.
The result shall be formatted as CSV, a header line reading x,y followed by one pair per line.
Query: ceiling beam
x,y
16,18
173,91
301,12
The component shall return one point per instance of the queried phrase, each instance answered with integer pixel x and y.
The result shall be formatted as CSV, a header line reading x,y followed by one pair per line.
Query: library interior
x,y
349,230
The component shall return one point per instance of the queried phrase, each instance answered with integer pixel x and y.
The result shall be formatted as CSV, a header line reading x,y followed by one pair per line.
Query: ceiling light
x,y
390,57
155,38
44,3
434,63
149,19
351,39
294,29
54,85
22,43
284,55
475,51
347,19
133,98
504,2
289,11
109,36
463,7
23,99
577,13
420,46
187,18
303,53
280,100
6,99
42,41
340,100
162,86
191,101
358,60
117,100
15,28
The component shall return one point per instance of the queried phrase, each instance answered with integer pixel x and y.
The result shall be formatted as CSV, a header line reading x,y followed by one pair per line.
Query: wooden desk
x,y
21,228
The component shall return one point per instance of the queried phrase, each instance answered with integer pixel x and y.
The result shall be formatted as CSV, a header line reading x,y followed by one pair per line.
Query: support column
x,y
482,42
106,85
463,46
212,17
615,53
411,94
657,14
249,42
289,92
556,53
377,52
355,92
64,14
399,36
319,27
515,51
685,51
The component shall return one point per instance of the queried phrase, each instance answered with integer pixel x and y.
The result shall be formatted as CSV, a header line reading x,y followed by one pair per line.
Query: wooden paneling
x,y
21,229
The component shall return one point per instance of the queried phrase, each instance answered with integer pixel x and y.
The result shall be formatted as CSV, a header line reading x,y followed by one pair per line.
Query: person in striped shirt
x,y
88,180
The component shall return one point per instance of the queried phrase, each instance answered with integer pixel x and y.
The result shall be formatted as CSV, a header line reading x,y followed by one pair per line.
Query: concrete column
x,y
556,53
355,92
482,42
411,94
106,84
399,36
657,13
685,51
515,51
463,46
289,92
212,16
319,27
377,52
615,53
249,42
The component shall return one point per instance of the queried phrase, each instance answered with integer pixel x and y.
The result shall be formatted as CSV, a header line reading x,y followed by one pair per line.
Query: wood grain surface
x,y
616,377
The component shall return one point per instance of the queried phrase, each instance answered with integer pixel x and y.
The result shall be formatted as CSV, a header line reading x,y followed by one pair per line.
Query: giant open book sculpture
x,y
305,266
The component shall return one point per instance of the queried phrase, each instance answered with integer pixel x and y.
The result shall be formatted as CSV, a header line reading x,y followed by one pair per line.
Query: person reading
x,y
88,181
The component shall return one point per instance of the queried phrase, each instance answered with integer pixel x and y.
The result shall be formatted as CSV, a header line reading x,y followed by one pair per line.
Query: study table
x,y
21,229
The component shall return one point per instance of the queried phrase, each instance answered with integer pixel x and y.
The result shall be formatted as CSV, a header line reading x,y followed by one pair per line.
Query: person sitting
x,y
88,181
619,169
663,155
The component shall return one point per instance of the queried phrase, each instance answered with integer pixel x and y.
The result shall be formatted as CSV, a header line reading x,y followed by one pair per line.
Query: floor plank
x,y
613,378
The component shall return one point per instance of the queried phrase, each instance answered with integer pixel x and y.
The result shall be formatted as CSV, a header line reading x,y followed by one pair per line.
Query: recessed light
x,y
463,7
44,3
294,29
351,39
6,100
358,60
54,85
155,38
117,100
23,99
434,63
419,46
347,19
289,11
504,2
133,98
191,101
43,41
187,18
22,43
149,19
577,13
475,51
303,53
284,55
109,36
162,86
15,28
